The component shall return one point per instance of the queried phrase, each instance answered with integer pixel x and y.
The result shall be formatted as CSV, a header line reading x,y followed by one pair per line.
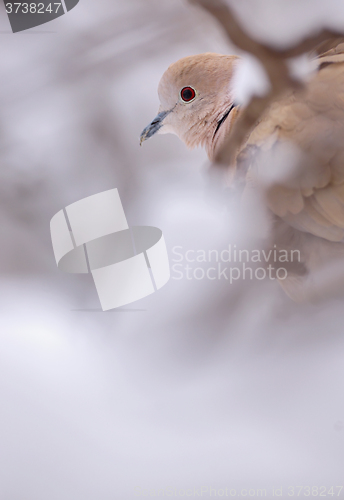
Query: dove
x,y
196,101
305,201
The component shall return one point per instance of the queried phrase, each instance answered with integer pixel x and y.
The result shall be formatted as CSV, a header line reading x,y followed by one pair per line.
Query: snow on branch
x,y
274,61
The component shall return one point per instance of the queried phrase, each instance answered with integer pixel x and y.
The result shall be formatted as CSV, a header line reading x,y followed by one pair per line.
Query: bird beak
x,y
154,126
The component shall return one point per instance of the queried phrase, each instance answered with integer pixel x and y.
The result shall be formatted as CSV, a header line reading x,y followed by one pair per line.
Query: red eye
x,y
187,94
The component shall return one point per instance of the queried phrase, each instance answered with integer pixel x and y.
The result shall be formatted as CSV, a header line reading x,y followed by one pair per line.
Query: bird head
x,y
195,99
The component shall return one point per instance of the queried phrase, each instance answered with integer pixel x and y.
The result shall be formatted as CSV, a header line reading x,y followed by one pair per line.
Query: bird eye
x,y
188,94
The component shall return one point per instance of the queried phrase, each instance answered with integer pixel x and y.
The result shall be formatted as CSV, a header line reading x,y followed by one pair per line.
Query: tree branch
x,y
274,63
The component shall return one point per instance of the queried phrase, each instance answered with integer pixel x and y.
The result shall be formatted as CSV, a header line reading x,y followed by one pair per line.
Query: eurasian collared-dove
x,y
307,200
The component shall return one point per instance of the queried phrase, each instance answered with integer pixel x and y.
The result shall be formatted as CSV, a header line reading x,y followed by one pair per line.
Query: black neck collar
x,y
223,119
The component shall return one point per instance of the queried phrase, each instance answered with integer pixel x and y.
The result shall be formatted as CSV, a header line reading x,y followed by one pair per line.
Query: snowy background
x,y
201,384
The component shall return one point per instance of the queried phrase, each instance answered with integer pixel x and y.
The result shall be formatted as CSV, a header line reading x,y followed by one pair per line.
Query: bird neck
x,y
221,126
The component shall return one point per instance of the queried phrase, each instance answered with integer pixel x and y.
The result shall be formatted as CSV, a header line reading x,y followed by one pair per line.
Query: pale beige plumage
x,y
309,201
195,122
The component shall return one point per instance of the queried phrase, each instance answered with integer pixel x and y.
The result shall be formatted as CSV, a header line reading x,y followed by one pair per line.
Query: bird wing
x,y
305,129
